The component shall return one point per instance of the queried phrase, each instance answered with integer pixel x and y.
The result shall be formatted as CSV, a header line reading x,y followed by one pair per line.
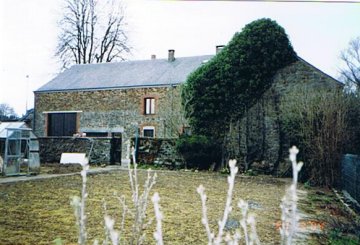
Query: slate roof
x,y
127,74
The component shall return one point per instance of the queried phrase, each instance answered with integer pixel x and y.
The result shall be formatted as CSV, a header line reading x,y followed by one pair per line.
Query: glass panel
x,y
13,157
152,106
149,106
12,166
25,133
149,133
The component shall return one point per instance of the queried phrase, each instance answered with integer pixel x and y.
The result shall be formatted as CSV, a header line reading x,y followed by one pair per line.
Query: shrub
x,y
315,119
198,151
353,122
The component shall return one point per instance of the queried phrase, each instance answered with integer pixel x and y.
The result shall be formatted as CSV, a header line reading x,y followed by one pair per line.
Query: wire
x,y
285,1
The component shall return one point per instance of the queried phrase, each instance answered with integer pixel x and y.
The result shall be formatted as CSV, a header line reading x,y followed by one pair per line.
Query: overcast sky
x,y
28,29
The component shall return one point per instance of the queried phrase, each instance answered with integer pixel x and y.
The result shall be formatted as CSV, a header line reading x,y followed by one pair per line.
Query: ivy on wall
x,y
222,89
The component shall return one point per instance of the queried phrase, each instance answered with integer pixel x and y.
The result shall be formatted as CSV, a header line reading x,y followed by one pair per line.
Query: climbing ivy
x,y
220,90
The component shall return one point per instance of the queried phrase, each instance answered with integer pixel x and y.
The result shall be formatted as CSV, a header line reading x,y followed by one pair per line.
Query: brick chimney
x,y
153,56
219,48
171,56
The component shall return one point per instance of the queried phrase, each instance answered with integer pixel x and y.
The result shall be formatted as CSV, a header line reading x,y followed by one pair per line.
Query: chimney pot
x,y
219,48
153,56
171,56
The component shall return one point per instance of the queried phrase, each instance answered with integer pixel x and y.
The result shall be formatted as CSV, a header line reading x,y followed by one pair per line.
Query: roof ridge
x,y
142,60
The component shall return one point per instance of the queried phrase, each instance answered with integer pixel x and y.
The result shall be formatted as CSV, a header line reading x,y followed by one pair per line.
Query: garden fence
x,y
351,175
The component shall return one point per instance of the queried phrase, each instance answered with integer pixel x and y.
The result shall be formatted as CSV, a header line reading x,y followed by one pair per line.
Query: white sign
x,y
73,158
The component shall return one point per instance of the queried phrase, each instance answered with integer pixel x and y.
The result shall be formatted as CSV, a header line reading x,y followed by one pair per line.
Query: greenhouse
x,y
19,149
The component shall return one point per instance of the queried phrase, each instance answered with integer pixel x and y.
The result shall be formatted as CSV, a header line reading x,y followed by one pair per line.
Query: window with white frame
x,y
149,106
148,131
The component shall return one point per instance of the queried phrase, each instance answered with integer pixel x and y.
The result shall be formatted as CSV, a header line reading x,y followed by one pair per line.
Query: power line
x,y
301,1
285,1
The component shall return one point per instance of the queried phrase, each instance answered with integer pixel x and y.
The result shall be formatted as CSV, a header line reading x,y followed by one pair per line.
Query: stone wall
x,y
52,147
159,152
257,139
115,110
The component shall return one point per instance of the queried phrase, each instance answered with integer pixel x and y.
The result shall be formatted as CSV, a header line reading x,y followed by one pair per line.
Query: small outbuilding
x,y
19,149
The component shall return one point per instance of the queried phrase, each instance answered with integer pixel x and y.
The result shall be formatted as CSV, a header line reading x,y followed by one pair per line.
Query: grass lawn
x,y
38,212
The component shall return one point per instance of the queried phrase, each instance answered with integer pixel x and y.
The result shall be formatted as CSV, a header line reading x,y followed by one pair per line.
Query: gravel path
x,y
13,179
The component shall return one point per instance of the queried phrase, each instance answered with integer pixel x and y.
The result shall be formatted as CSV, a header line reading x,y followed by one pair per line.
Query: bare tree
x,y
351,58
316,120
7,112
92,32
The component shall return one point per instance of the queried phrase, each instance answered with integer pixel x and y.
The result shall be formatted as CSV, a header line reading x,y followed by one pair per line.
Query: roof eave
x,y
109,88
314,67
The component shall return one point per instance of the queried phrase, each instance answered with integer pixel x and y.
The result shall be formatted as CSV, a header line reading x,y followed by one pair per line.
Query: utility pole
x,y
26,93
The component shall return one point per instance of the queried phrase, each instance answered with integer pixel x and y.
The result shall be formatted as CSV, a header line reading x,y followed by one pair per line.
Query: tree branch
x,y
81,42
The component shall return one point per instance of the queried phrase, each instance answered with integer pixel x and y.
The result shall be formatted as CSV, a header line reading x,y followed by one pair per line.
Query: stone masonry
x,y
52,147
112,110
258,140
160,152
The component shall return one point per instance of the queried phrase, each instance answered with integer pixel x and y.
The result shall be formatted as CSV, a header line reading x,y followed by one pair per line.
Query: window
x,y
96,134
61,124
149,131
149,106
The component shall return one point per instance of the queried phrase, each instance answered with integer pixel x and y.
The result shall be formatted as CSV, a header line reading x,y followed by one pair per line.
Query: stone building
x,y
111,103
258,140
